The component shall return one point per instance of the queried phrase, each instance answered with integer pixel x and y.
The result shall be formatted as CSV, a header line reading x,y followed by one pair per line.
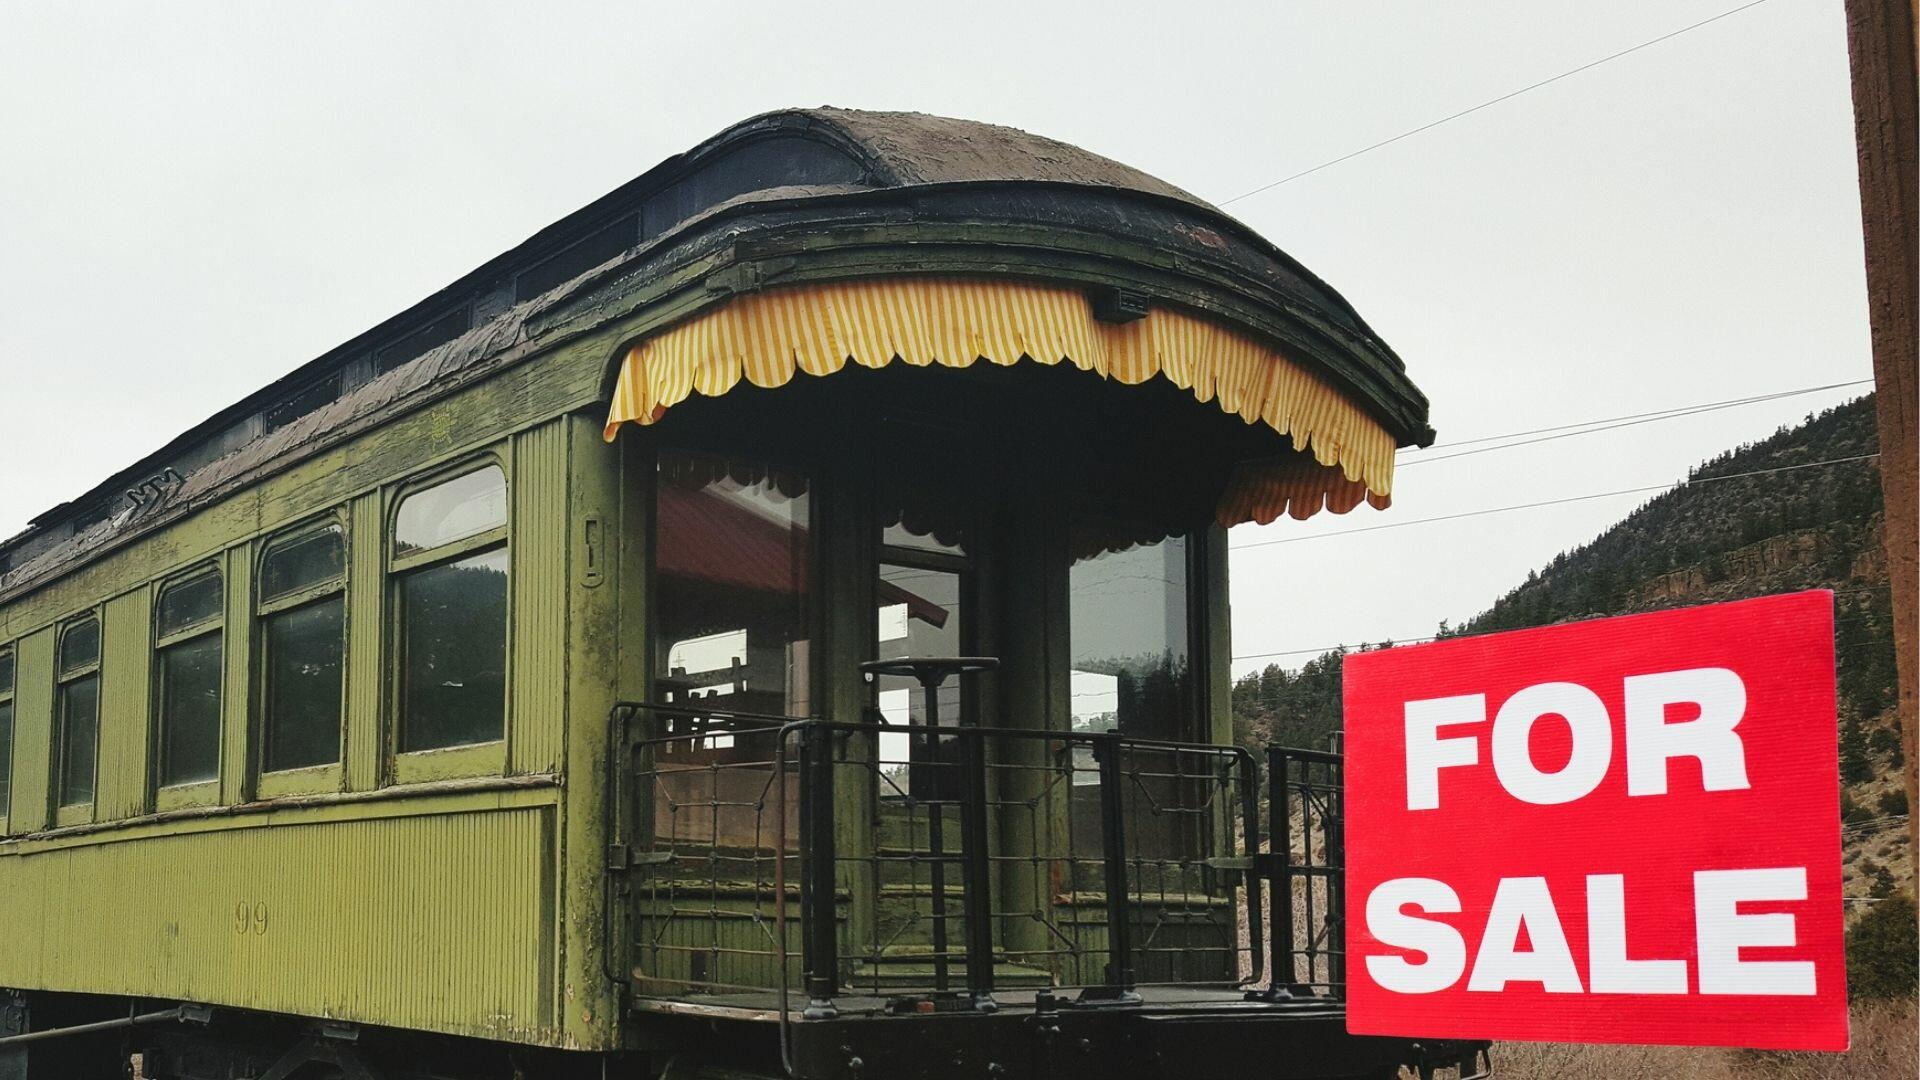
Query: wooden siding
x,y
441,911
540,527
438,920
126,663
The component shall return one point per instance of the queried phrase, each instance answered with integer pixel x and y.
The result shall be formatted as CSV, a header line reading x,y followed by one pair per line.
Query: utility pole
x,y
1880,45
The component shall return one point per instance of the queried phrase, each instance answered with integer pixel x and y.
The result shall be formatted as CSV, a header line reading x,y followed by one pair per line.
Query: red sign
x,y
1624,830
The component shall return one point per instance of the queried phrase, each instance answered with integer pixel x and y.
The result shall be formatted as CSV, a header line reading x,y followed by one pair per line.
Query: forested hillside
x,y
1728,537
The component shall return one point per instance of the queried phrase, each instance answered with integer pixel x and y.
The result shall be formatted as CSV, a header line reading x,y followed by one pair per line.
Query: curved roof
x,y
918,148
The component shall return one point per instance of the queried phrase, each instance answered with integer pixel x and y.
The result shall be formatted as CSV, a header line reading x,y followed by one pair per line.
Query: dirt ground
x,y
1885,1047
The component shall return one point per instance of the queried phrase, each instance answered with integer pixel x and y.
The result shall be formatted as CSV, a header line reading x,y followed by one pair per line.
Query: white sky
x,y
194,199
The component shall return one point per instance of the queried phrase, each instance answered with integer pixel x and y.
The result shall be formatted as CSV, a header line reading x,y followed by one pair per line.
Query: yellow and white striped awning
x,y
768,337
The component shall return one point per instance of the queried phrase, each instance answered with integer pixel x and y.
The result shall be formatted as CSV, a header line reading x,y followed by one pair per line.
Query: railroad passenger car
x,y
772,621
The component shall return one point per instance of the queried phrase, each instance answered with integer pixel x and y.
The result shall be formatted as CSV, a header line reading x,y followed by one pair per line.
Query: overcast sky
x,y
196,198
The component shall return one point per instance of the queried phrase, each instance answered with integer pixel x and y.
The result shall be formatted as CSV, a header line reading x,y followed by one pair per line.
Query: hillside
x,y
1727,539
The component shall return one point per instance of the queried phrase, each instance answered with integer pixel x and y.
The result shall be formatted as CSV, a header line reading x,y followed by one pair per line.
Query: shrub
x,y
1885,740
1883,951
1893,803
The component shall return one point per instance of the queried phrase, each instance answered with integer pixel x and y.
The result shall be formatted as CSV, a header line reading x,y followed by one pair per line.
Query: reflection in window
x,y
188,626
919,612
303,641
1128,619
453,653
454,510
6,731
451,594
731,616
302,563
77,711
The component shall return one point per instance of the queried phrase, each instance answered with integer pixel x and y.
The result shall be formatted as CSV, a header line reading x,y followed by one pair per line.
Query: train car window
x,y
1129,620
459,508
450,584
6,733
188,626
303,648
291,566
77,712
1128,627
731,614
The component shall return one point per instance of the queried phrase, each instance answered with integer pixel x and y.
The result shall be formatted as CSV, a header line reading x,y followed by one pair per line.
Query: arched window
x,y
449,568
77,712
187,624
302,614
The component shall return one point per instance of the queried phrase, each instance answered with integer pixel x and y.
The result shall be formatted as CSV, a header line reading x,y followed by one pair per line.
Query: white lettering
x,y
1592,730
1709,738
1445,951
1427,753
1608,969
1721,931
1524,902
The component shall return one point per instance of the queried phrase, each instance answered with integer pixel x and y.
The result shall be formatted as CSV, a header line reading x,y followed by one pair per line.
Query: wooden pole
x,y
1881,44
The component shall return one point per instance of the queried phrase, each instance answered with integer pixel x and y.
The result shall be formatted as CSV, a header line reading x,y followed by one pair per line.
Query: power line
x,y
1674,485
1589,427
1422,640
1490,102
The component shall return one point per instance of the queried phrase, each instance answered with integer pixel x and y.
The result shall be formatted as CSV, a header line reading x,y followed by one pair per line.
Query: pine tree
x,y
1856,764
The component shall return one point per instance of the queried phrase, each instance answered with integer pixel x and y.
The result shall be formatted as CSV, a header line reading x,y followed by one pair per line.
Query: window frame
x,y
1199,696
307,779
79,813
446,762
9,695
818,472
199,792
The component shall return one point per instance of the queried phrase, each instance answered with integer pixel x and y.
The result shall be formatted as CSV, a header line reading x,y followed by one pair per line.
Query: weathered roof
x,y
915,148
768,164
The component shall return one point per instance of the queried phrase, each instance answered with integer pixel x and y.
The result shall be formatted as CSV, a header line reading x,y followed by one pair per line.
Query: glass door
x,y
926,582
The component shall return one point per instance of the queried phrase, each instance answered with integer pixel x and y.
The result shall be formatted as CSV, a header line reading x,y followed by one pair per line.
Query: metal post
x,y
976,869
1250,821
1337,879
1280,831
936,841
1113,845
821,915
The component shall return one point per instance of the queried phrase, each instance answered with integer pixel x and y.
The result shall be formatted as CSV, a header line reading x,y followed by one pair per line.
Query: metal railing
x,y
1306,873
929,868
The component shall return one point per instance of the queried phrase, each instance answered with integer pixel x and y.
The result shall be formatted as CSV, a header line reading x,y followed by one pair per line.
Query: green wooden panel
x,y
236,705
126,663
438,921
593,589
541,525
32,732
366,641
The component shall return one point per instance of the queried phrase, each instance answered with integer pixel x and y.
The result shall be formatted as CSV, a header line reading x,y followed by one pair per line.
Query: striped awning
x,y
1345,456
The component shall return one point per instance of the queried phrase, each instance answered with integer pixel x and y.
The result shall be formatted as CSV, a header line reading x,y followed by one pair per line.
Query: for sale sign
x,y
1624,830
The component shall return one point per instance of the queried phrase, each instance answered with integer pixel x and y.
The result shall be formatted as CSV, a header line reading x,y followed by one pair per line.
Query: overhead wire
x,y
1508,96
1670,486
1613,423
1416,639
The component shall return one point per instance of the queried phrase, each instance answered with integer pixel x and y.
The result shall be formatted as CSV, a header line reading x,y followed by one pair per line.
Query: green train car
x,y
771,622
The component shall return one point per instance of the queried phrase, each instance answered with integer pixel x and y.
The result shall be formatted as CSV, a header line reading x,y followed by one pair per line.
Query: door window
x,y
731,592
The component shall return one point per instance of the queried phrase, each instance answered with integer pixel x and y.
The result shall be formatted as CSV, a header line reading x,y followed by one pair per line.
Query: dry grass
x,y
1885,1045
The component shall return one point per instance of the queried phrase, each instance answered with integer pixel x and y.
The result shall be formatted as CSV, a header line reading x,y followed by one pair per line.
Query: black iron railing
x,y
917,867
1306,873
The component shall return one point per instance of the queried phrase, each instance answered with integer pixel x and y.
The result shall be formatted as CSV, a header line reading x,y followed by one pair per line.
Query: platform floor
x,y
765,1004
